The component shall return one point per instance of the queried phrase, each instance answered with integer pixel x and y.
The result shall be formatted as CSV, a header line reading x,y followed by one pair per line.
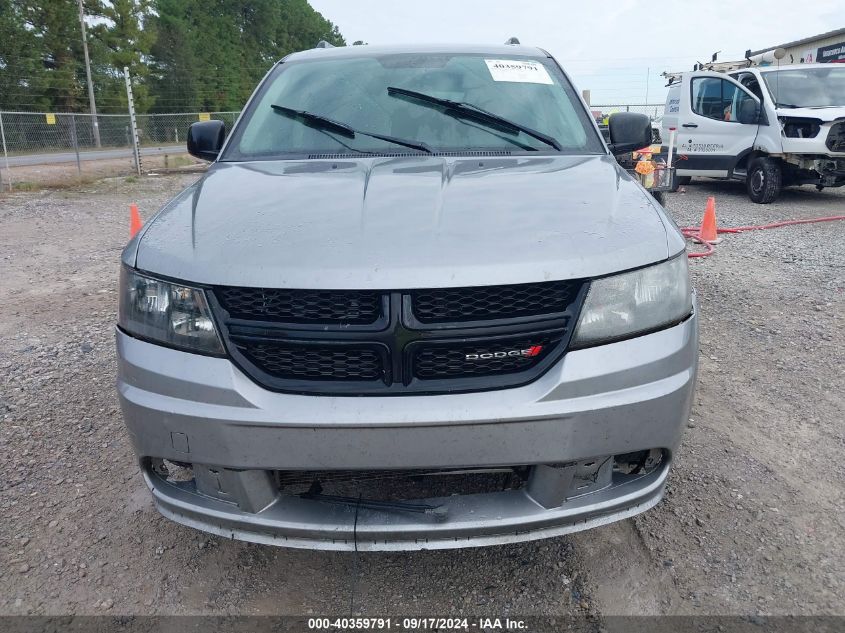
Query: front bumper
x,y
620,398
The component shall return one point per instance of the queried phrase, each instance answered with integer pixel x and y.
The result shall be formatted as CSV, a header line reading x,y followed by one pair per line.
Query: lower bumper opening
x,y
408,509
401,485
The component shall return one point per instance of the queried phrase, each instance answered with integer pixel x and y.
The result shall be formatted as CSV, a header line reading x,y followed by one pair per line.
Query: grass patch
x,y
63,184
176,162
26,186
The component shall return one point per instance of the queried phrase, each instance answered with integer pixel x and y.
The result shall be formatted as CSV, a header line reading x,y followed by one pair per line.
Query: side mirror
x,y
749,112
205,139
629,132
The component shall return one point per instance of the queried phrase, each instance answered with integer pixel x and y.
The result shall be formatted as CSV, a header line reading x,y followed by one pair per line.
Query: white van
x,y
770,126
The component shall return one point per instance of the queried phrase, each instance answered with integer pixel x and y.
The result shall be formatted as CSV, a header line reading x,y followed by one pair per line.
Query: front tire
x,y
764,180
679,181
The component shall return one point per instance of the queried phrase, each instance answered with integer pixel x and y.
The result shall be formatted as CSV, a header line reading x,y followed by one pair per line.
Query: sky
x,y
616,49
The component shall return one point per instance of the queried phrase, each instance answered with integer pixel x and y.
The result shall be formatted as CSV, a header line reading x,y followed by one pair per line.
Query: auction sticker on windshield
x,y
519,71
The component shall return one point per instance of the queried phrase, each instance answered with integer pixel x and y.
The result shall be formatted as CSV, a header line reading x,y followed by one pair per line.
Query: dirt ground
x,y
752,522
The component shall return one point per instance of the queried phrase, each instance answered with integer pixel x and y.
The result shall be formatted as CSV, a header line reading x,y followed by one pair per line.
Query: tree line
x,y
183,55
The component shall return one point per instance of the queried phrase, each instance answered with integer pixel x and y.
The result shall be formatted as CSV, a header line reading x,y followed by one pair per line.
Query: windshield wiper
x,y
461,109
326,124
787,105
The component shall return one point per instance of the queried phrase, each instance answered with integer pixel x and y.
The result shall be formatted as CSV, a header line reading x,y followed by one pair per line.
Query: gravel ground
x,y
752,522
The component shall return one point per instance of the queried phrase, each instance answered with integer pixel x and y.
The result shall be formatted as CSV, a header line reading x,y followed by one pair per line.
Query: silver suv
x,y
414,303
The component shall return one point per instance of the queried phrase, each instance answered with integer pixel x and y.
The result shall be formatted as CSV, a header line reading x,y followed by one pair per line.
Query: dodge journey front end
x,y
413,303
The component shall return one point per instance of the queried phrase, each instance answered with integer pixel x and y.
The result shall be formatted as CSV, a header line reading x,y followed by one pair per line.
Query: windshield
x,y
807,87
530,93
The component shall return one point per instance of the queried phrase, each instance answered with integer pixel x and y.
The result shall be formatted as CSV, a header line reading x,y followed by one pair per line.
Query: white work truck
x,y
769,126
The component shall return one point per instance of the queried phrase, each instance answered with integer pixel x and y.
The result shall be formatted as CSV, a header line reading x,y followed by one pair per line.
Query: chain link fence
x,y
651,110
42,147
45,146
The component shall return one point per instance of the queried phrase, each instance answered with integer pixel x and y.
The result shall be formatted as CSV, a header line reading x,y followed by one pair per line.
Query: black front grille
x,y
301,306
344,342
836,138
284,360
493,302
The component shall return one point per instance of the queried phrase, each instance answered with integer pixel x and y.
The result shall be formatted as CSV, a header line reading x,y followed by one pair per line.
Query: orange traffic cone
x,y
708,232
135,223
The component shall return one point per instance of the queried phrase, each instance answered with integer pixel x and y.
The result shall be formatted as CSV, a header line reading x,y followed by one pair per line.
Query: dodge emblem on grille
x,y
529,352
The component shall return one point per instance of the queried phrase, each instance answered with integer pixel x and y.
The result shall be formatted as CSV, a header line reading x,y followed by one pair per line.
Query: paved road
x,y
102,154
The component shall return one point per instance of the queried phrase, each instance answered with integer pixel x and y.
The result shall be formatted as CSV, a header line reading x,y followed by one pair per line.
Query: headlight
x,y
634,303
166,313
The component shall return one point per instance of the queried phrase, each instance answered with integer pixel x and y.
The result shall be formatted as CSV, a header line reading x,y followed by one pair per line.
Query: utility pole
x,y
136,145
647,81
5,153
95,125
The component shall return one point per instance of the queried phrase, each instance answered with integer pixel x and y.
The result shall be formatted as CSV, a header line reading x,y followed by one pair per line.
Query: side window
x,y
750,82
717,98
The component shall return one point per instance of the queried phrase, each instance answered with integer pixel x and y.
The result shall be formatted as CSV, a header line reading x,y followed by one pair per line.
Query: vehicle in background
x,y
769,126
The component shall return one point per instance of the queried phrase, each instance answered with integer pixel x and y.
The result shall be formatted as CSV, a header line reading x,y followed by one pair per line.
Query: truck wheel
x,y
678,181
764,181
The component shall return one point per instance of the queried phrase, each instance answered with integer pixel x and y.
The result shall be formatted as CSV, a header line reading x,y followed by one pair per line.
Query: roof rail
x,y
719,67
512,41
671,77
324,44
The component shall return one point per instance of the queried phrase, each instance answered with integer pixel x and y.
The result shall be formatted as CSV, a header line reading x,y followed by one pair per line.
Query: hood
x,y
406,222
824,114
